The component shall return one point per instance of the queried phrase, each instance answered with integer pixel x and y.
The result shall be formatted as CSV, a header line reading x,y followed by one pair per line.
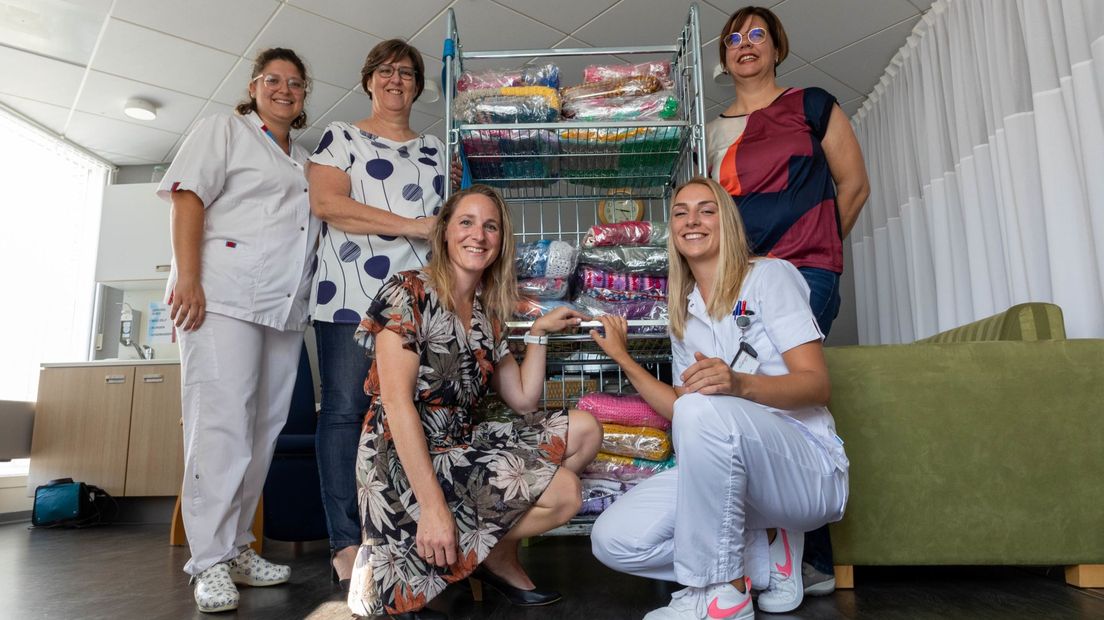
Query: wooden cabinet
x,y
117,427
155,459
134,234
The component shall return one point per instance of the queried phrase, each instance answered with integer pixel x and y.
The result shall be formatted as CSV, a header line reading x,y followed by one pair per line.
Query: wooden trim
x,y
1085,575
845,577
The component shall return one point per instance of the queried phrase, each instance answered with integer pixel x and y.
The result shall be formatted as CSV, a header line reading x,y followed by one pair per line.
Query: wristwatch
x,y
531,339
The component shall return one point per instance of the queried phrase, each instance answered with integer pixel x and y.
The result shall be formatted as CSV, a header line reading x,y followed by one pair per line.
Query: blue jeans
x,y
824,300
342,367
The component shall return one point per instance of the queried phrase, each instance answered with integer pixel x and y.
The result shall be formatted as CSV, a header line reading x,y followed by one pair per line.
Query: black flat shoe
x,y
424,613
516,596
341,583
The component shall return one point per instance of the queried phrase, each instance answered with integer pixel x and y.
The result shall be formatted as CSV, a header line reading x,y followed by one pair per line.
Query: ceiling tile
x,y
850,107
809,76
52,117
386,24
308,138
860,64
98,133
105,95
42,79
420,121
124,160
322,97
728,7
355,106
923,5
332,52
63,29
507,31
238,22
154,58
660,24
565,15
235,85
816,28
436,129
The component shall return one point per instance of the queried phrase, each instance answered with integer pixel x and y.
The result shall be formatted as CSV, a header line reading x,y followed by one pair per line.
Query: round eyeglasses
x,y
273,82
386,71
755,36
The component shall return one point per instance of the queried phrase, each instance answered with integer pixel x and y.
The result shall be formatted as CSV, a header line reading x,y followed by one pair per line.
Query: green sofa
x,y
982,445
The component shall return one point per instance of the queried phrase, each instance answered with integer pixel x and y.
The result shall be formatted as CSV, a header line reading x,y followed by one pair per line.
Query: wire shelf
x,y
575,160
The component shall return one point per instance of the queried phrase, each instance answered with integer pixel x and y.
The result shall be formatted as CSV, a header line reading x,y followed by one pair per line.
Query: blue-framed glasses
x,y
755,36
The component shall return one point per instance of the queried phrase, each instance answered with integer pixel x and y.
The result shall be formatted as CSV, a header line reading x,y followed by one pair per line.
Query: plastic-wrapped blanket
x,y
609,295
636,309
600,73
510,104
543,288
627,410
592,277
630,86
530,309
662,105
635,259
599,494
547,258
639,442
543,75
625,469
626,233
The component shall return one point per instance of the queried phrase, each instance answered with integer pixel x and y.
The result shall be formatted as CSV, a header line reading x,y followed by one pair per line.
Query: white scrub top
x,y
777,294
259,235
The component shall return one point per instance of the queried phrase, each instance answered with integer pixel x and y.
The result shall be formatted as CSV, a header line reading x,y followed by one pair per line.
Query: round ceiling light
x,y
140,109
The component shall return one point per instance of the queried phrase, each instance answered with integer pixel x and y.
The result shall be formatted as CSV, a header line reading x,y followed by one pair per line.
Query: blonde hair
x,y
499,283
733,263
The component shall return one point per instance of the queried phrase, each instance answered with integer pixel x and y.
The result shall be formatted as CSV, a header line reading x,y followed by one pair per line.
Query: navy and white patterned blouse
x,y
405,178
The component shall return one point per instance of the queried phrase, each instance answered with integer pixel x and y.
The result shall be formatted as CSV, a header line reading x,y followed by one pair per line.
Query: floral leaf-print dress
x,y
491,472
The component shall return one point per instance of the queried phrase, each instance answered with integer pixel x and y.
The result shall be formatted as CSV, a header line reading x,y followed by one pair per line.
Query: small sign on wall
x,y
160,328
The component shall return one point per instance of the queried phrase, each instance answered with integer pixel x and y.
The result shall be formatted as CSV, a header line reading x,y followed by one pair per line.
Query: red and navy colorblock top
x,y
772,164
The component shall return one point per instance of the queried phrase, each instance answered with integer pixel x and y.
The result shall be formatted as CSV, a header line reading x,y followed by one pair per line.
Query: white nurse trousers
x,y
236,383
741,469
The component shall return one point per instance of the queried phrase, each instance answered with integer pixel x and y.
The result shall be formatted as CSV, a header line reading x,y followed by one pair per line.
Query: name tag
x,y
746,360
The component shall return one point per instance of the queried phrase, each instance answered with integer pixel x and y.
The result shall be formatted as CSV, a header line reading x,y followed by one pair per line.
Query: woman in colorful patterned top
x,y
791,162
243,239
377,185
442,492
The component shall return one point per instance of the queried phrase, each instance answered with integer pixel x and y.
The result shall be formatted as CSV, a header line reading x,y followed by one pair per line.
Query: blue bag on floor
x,y
64,503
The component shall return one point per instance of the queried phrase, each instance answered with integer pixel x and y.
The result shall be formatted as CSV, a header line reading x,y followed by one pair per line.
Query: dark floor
x,y
130,571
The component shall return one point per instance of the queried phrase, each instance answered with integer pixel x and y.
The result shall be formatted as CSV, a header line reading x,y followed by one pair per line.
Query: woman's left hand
x,y
456,174
711,375
558,320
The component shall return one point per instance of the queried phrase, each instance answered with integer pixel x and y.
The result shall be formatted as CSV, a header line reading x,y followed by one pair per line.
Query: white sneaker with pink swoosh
x,y
785,591
719,601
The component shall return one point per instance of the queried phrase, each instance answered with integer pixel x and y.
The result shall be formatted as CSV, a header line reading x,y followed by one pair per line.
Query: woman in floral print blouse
x,y
442,493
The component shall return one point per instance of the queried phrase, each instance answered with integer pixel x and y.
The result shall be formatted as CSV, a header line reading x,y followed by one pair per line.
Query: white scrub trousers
x,y
741,469
237,379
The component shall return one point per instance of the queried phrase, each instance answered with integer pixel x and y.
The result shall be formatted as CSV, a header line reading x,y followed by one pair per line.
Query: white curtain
x,y
51,194
985,145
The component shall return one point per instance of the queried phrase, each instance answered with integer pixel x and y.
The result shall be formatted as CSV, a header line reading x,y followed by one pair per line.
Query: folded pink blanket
x,y
628,410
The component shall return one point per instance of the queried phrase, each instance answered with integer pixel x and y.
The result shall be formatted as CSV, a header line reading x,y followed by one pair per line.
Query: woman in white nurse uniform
x,y
755,445
243,239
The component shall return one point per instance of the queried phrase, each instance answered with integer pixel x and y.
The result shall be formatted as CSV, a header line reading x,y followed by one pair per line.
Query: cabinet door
x,y
82,426
134,234
155,463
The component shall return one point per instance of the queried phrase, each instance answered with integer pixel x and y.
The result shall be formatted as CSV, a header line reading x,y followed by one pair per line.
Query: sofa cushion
x,y
1030,321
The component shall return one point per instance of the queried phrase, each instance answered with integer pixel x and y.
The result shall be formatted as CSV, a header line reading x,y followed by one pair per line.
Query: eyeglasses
x,y
273,82
386,71
755,36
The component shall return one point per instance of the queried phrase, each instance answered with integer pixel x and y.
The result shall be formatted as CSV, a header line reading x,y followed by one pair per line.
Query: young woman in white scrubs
x,y
755,445
243,239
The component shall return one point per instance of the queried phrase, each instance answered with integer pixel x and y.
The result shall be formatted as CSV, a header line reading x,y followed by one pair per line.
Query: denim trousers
x,y
342,367
824,300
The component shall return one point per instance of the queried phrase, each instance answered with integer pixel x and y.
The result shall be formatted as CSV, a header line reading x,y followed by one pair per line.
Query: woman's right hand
x,y
436,537
188,304
615,342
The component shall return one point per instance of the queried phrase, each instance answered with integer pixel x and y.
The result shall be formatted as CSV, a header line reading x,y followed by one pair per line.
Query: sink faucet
x,y
144,351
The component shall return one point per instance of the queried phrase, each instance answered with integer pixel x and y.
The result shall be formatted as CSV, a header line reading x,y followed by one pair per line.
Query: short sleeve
x,y
784,302
680,360
818,110
334,148
200,165
395,308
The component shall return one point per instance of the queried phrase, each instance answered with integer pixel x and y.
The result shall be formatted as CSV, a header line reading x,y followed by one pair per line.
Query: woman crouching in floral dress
x,y
440,494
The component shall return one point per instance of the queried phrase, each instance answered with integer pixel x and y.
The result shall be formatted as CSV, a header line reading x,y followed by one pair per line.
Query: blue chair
x,y
292,493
